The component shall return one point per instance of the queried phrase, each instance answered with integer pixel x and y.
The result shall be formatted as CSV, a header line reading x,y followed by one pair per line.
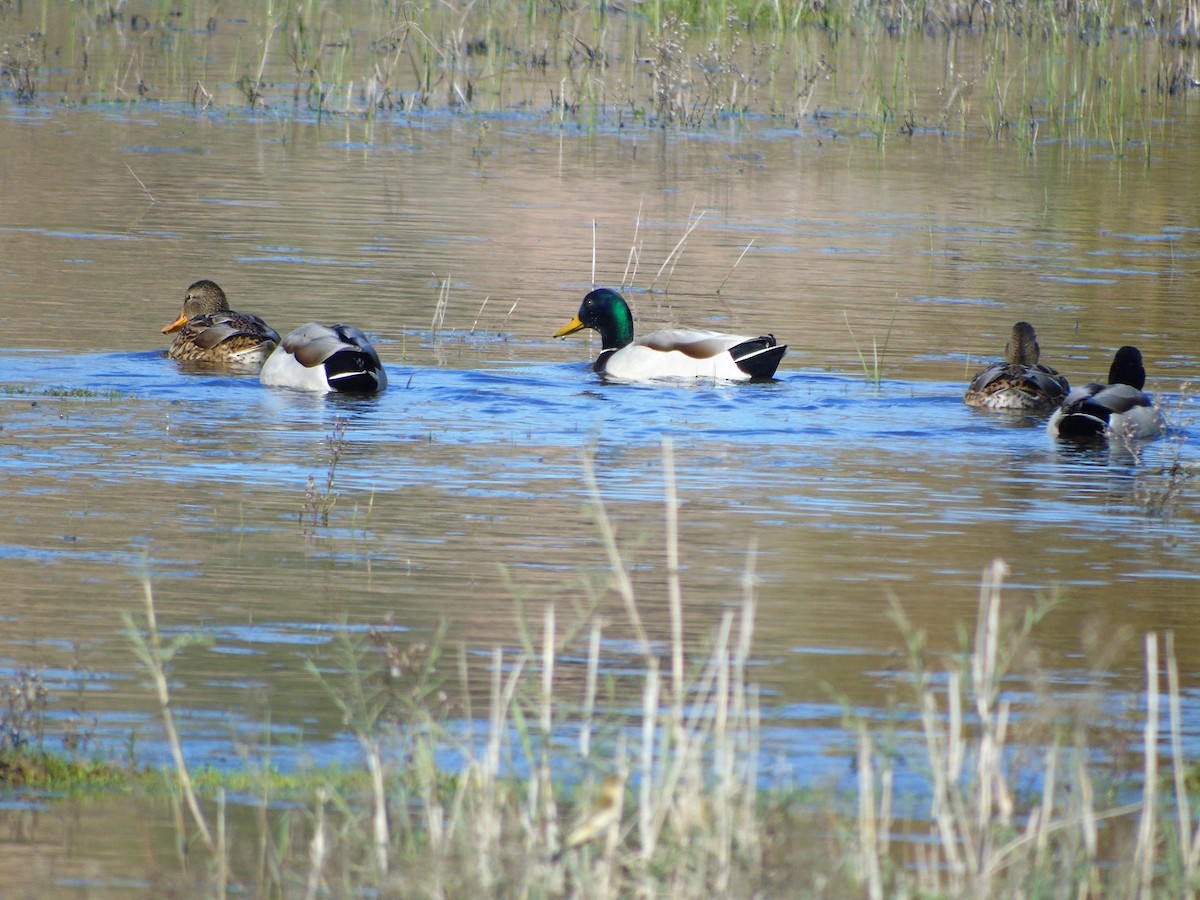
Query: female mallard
x,y
1019,382
209,331
1117,409
318,357
673,352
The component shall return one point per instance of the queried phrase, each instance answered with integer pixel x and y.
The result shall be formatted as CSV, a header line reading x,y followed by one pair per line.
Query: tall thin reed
x,y
155,657
733,268
673,256
1147,832
634,257
439,310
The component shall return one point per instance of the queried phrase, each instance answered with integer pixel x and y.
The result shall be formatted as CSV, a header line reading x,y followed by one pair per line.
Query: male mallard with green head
x,y
1117,409
673,352
325,358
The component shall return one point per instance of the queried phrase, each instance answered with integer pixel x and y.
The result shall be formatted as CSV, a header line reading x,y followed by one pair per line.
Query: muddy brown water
x,y
463,482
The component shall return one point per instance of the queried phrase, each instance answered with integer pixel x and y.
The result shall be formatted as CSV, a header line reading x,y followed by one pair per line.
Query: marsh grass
x,y
1088,71
20,64
22,711
320,501
1159,490
579,777
873,372
30,759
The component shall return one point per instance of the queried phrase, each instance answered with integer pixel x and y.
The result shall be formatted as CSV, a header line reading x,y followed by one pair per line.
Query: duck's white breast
x,y
282,369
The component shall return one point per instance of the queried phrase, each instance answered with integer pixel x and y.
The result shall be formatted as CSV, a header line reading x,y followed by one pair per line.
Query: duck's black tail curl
x,y
759,357
352,372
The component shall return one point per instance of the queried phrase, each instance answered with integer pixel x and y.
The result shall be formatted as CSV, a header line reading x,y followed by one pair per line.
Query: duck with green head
x,y
1118,409
208,331
672,353
325,358
1019,381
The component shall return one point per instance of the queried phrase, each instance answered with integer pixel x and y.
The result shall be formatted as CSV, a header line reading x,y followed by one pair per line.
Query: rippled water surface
x,y
460,244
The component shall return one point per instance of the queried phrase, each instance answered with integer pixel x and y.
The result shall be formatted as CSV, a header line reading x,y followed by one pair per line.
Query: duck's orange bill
x,y
176,325
571,327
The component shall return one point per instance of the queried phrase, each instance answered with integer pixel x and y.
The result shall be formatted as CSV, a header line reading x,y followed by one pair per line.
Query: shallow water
x,y
462,485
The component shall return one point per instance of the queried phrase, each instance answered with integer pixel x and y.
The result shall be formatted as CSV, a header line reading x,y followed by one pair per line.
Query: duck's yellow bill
x,y
176,325
570,328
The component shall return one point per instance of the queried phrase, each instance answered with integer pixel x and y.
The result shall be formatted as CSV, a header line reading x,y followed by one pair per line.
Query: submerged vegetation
x,y
72,393
1029,72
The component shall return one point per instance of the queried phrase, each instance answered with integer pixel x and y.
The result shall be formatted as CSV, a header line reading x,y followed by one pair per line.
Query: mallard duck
x,y
1019,382
209,331
673,352
318,357
1116,409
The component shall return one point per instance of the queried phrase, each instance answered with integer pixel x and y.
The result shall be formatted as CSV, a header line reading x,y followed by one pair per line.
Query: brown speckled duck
x,y
209,331
1019,382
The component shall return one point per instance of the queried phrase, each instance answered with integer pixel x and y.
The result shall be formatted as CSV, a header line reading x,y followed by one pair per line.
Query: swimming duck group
x,y
1119,408
316,357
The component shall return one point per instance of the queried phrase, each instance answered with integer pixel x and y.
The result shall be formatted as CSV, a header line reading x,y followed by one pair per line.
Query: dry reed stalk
x,y
439,310
634,256
1039,822
868,839
674,592
748,711
886,793
648,789
480,313
623,585
1087,814
381,838
502,699
722,763
682,744
318,848
966,822
1144,852
972,815
1189,838
153,657
943,775
589,695
512,309
736,262
256,94
676,251
546,825
141,184
222,847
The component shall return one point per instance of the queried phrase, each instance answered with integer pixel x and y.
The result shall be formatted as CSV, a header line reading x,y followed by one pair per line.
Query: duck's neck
x,y
601,363
1127,368
617,331
1022,349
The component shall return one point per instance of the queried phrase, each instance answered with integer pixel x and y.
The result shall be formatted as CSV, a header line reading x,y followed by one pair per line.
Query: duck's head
x,y
202,299
1127,368
607,312
1022,348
